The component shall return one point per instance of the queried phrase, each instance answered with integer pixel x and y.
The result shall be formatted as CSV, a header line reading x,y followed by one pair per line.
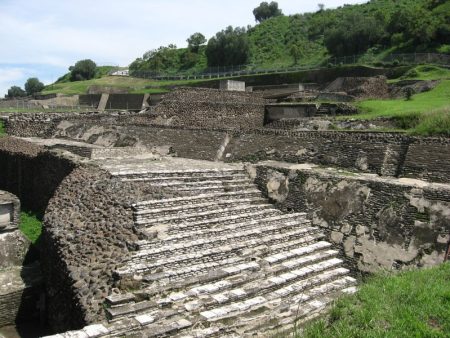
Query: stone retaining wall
x,y
31,173
20,289
210,108
376,223
387,154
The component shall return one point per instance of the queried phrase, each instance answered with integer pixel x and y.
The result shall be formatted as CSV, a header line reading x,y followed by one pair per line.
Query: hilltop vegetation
x,y
377,28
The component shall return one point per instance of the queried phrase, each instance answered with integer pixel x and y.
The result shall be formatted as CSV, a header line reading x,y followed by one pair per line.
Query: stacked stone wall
x,y
389,154
88,228
31,173
210,108
376,223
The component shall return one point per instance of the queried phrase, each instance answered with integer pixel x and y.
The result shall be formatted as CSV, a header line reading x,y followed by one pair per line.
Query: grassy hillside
x,y
132,84
371,30
409,304
425,114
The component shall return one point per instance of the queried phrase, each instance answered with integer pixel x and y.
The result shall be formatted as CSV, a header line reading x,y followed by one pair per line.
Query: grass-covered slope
x,y
132,84
409,304
425,114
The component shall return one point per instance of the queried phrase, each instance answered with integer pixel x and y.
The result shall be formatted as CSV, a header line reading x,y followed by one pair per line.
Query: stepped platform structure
x,y
218,260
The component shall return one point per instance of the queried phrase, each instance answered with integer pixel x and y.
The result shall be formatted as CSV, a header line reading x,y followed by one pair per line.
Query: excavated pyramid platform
x,y
219,261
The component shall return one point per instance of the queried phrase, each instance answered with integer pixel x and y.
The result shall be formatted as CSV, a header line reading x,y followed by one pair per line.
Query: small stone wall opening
x,y
6,214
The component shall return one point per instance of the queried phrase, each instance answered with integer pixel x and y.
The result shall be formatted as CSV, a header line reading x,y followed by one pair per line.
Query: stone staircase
x,y
219,261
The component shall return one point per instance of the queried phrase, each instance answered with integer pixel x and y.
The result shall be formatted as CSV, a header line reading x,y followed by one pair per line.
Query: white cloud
x,y
9,77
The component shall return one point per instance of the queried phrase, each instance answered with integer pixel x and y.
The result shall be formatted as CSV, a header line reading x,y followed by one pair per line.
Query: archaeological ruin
x,y
216,213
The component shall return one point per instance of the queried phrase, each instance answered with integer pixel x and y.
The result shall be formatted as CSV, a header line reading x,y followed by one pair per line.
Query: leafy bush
x,y
31,226
409,92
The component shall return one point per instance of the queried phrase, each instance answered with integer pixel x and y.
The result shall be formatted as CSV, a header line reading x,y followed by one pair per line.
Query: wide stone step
x,y
291,255
246,285
192,215
209,280
195,206
217,254
212,188
212,222
257,224
208,296
226,239
165,179
127,309
300,308
201,198
301,289
127,171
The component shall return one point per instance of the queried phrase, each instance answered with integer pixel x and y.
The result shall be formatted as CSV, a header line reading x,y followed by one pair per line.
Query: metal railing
x,y
239,70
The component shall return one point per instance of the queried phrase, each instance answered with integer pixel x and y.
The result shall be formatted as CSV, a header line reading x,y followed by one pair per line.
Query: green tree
x,y
228,47
83,70
295,52
266,11
355,34
195,41
33,86
15,91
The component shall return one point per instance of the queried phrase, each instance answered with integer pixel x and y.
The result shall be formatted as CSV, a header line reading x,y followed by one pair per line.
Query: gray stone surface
x,y
377,222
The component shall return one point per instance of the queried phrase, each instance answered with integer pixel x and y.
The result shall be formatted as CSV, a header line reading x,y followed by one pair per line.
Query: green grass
x,y
409,304
434,105
426,114
132,84
426,72
31,226
2,129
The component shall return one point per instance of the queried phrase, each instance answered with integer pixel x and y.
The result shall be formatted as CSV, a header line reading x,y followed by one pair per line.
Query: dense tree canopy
x,y
157,60
266,11
33,86
15,91
195,41
354,36
228,47
83,70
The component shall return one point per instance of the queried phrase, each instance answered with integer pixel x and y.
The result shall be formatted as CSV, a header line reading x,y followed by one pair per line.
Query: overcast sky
x,y
43,38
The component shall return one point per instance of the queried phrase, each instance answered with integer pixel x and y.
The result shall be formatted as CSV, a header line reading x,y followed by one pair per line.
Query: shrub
x,y
409,92
30,226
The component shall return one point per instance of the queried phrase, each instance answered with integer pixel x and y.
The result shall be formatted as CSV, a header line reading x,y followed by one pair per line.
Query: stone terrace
x,y
217,261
